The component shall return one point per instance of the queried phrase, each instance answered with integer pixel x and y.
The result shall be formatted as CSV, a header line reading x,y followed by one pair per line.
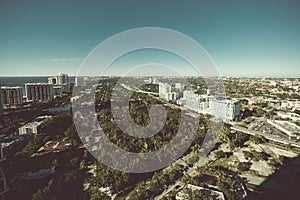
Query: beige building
x,y
39,91
11,96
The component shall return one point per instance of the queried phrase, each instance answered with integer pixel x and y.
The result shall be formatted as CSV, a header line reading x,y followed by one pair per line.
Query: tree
x,y
220,154
97,194
69,177
244,166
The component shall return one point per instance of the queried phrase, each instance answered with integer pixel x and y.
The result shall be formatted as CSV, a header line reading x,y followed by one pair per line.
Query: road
x,y
191,172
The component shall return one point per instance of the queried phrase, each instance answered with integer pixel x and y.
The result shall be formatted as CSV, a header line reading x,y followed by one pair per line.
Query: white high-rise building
x,y
178,86
164,91
62,79
52,80
11,96
39,91
1,104
76,81
223,108
195,102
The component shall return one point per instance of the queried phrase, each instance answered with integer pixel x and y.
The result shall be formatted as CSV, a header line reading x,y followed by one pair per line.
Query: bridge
x,y
268,136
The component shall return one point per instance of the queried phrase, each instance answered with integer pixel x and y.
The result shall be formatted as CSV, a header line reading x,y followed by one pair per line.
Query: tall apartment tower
x,y
39,91
62,79
12,96
164,91
52,80
226,109
1,104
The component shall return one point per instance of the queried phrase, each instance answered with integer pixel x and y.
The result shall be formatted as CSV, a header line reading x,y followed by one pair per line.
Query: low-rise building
x,y
32,127
288,128
290,104
54,146
292,116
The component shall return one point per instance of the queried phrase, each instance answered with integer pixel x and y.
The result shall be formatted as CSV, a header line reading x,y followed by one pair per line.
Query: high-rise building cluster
x,y
39,91
34,92
210,103
165,92
60,82
11,96
1,104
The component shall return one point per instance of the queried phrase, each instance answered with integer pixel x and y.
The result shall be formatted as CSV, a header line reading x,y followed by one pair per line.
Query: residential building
x,y
76,82
292,116
58,90
178,86
227,109
39,91
1,105
288,128
290,104
52,80
11,96
62,79
164,91
173,96
32,127
195,102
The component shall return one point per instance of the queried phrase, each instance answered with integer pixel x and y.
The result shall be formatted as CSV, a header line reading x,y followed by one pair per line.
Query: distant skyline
x,y
244,38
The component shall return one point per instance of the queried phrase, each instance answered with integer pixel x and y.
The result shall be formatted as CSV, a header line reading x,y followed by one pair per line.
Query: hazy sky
x,y
244,38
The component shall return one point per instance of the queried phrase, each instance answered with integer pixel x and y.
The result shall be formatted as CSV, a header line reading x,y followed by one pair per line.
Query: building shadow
x,y
283,184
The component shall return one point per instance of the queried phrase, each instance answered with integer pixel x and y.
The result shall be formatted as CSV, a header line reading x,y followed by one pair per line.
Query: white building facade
x,y
228,110
1,104
62,79
165,92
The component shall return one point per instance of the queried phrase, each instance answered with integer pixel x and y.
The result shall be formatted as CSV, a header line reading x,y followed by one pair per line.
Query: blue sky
x,y
244,38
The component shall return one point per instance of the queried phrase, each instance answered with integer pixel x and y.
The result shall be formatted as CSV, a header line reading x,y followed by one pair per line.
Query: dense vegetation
x,y
142,186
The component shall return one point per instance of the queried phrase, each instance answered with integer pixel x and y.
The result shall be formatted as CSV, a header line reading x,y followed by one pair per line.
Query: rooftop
x,y
11,87
38,84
